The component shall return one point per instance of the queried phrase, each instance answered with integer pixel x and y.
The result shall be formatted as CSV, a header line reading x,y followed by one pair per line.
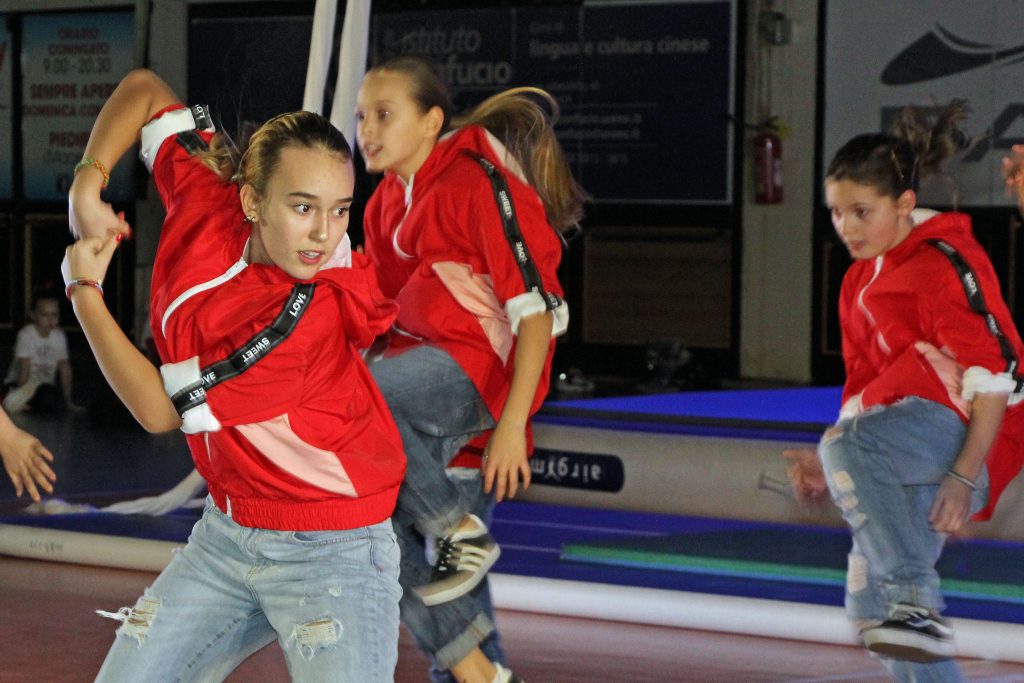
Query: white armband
x,y
978,380
532,303
170,123
176,377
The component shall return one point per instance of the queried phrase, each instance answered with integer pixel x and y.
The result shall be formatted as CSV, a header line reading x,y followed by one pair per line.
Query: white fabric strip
x,y
355,41
532,303
234,270
320,44
978,380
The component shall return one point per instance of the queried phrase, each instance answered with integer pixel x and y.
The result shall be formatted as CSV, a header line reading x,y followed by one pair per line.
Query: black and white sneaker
x,y
462,561
911,633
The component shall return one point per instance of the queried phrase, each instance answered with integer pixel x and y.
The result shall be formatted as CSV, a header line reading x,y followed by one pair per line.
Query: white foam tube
x,y
58,545
659,607
726,613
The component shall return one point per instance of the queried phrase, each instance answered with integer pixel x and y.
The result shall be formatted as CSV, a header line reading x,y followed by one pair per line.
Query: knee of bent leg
x,y
311,637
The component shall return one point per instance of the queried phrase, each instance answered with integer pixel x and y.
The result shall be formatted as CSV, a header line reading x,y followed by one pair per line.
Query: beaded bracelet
x,y
98,165
82,282
962,479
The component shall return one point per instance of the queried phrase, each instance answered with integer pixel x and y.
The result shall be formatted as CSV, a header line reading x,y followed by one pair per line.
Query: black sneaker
x,y
911,633
462,561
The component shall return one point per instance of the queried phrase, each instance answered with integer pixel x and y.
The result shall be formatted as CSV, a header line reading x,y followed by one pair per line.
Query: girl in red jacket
x,y
284,422
464,233
924,438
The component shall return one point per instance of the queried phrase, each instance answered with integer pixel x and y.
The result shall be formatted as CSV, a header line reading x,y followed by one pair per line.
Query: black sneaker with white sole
x,y
462,562
911,633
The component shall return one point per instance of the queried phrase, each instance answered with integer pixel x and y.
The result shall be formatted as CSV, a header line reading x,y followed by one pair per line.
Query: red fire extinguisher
x,y
768,165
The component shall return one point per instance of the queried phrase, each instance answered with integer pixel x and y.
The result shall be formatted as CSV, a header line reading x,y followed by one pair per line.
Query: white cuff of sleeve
x,y
179,375
978,380
853,407
532,303
156,131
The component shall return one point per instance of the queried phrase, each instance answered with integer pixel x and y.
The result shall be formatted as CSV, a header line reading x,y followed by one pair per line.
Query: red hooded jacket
x,y
440,248
302,440
914,293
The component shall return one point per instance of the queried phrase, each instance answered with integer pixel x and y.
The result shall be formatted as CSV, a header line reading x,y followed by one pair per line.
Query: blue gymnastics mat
x,y
800,414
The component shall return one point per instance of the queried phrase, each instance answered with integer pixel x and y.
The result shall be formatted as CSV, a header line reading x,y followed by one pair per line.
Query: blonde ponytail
x,y
527,131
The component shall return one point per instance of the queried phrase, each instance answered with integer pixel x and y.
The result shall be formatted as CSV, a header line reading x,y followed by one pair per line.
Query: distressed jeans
x,y
330,598
883,470
437,410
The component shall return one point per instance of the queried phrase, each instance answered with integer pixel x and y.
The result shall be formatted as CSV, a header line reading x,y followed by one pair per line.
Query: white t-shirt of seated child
x,y
44,353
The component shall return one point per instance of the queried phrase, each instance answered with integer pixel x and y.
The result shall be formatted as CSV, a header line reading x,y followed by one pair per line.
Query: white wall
x,y
775,305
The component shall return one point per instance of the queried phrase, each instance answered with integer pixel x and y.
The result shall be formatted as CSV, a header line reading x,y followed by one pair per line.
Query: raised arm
x,y
137,98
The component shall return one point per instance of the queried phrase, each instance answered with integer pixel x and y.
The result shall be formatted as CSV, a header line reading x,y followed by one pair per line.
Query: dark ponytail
x,y
915,147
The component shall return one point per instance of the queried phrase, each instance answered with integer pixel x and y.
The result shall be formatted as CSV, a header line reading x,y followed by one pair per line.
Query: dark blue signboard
x,y
646,90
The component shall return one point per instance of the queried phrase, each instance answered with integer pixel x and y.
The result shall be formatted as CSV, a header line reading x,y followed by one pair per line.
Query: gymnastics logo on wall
x,y
936,50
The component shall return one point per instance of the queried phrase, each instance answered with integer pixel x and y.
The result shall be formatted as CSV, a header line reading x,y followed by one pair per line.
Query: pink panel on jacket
x,y
275,439
475,293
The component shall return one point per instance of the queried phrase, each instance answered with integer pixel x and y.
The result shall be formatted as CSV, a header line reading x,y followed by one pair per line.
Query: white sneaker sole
x,y
457,590
913,647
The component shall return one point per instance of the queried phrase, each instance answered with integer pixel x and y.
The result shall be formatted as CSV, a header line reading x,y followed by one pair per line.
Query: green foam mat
x,y
976,570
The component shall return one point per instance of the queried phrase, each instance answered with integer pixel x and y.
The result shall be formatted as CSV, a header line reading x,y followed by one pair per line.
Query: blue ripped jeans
x,y
437,410
330,599
883,471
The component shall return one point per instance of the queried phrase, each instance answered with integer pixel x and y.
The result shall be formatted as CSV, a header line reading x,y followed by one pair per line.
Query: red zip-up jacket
x,y
440,248
302,440
913,293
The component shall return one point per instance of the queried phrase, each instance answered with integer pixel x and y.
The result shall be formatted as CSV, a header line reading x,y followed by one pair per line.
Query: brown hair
x,y
254,160
429,89
915,147
527,131
518,121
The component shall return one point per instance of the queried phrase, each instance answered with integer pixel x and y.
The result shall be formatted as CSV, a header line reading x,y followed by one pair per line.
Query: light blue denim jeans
x,y
330,598
437,410
883,471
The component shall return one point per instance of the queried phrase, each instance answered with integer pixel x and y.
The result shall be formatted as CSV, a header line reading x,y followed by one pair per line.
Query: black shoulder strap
x,y
507,210
257,347
976,300
190,139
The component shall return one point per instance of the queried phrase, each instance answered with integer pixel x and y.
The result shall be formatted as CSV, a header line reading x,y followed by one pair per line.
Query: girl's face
x,y
394,133
46,316
869,223
304,213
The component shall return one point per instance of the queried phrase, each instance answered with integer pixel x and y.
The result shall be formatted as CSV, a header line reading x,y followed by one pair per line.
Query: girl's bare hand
x,y
27,463
505,462
89,258
90,216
